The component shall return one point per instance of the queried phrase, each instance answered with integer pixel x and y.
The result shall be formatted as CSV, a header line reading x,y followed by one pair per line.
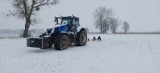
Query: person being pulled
x,y
94,38
99,38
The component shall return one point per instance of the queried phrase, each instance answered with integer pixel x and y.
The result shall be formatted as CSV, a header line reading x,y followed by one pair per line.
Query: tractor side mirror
x,y
56,20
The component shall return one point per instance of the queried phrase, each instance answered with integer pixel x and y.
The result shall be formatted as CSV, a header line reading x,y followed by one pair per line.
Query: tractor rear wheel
x,y
81,38
62,42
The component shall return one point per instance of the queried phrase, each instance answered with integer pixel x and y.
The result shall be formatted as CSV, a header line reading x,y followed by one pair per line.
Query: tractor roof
x,y
68,17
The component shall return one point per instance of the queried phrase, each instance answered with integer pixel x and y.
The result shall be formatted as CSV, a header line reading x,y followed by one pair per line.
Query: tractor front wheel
x,y
62,42
50,42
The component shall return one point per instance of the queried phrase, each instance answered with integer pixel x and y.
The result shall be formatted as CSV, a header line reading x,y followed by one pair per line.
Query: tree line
x,y
105,20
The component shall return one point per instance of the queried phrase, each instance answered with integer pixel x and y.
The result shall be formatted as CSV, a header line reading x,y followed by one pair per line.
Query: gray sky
x,y
143,15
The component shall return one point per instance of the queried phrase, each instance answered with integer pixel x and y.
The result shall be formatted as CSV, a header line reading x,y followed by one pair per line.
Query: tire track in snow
x,y
125,54
137,52
153,54
144,62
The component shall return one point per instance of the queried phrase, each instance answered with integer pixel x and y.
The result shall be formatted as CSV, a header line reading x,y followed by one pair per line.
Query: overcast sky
x,y
143,15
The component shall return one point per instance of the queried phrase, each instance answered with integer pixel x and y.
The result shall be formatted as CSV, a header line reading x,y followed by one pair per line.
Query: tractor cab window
x,y
75,22
64,21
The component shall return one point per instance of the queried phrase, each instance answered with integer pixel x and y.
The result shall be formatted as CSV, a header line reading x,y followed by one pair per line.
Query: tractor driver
x,y
73,24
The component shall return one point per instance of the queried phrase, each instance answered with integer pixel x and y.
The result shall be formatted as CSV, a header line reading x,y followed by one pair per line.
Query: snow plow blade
x,y
38,42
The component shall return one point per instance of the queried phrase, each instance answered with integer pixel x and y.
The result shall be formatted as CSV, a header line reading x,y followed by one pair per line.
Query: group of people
x,y
94,38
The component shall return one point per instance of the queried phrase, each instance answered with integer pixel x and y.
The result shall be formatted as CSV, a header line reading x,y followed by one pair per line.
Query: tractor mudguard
x,y
80,28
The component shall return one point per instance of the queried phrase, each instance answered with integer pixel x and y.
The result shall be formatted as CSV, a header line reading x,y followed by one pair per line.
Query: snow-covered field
x,y
114,54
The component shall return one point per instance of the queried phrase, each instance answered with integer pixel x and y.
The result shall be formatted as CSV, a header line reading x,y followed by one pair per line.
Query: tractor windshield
x,y
64,21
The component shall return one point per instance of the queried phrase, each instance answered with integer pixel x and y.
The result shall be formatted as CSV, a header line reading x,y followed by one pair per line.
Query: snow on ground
x,y
114,54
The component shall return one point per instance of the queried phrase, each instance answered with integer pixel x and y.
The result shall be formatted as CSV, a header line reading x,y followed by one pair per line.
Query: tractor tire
x,y
50,42
81,38
62,42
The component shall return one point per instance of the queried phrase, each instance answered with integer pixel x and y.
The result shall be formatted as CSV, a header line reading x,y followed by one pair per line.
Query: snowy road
x,y
114,54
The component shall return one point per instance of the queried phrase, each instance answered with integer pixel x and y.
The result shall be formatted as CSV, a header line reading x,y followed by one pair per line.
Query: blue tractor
x,y
66,32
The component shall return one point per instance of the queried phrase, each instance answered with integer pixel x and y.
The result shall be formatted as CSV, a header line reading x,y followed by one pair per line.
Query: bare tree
x,y
26,9
105,26
113,24
126,27
102,18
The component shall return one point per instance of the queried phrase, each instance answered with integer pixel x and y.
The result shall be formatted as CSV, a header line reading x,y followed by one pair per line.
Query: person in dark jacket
x,y
99,38
94,38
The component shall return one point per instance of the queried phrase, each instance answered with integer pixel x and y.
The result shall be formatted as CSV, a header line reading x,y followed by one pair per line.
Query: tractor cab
x,y
72,22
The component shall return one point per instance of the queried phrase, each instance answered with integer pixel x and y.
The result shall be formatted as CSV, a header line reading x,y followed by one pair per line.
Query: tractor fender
x,y
64,32
80,28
